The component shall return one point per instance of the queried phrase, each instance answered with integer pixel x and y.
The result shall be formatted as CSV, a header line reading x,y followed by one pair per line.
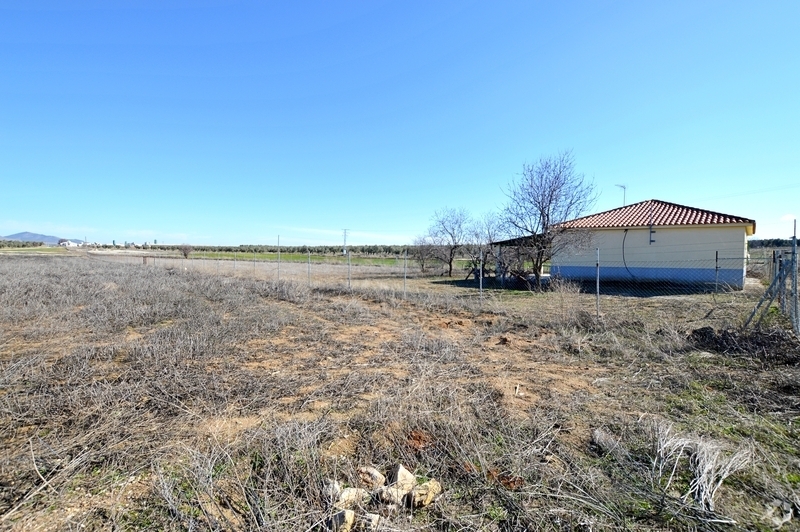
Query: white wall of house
x,y
677,253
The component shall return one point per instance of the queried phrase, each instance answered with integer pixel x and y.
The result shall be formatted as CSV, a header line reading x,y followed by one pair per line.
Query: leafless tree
x,y
423,251
185,250
547,194
448,231
481,232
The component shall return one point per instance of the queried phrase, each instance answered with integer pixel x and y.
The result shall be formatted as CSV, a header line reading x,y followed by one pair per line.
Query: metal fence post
x,y
501,266
348,270
480,275
279,258
309,266
405,271
782,283
597,285
795,314
772,264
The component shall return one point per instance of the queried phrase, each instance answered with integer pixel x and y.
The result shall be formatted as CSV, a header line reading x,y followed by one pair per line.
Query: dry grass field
x,y
147,397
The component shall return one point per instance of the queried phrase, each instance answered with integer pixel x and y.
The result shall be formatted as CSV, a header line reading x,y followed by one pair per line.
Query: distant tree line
x,y
19,244
530,225
370,250
770,243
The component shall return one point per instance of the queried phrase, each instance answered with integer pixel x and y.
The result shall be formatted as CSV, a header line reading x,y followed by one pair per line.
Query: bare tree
x,y
481,232
185,250
423,251
449,233
547,194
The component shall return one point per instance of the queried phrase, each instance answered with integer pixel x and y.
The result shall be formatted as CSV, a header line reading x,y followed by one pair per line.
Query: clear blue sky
x,y
228,122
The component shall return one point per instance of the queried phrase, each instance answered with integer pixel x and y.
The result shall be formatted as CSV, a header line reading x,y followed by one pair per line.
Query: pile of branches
x,y
775,344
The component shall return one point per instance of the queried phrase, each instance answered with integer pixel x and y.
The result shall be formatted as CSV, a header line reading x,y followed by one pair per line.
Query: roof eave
x,y
750,227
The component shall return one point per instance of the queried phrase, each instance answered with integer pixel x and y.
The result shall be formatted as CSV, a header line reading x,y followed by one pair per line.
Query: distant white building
x,y
68,244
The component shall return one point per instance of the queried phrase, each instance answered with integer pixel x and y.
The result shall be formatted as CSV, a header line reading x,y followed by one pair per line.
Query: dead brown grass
x,y
137,397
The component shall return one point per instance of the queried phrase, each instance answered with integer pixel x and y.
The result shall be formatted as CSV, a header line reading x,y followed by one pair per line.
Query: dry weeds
x,y
137,397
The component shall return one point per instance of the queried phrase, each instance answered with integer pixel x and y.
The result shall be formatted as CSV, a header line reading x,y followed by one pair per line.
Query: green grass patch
x,y
38,250
298,257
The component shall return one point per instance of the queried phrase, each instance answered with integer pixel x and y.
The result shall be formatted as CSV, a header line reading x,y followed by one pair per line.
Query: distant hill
x,y
35,237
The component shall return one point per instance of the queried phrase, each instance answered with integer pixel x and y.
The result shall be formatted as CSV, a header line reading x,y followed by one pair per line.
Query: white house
x,y
658,241
68,244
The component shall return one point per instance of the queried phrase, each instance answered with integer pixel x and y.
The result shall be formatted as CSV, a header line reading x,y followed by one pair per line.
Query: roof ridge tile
x,y
654,212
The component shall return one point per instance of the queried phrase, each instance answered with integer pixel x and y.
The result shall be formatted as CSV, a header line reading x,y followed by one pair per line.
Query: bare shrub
x,y
709,462
421,347
291,291
710,466
605,442
758,269
568,296
206,402
668,449
272,479
661,464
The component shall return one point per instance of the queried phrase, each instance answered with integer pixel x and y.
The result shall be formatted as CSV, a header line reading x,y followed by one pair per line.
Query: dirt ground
x,y
117,374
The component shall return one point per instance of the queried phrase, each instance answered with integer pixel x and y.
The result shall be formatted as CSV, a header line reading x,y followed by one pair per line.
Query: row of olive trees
x,y
530,224
362,250
19,244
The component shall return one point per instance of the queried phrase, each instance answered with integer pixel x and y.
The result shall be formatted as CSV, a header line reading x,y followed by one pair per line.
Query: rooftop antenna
x,y
624,188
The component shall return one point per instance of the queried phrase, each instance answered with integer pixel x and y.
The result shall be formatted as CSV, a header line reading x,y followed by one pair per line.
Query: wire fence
x,y
314,270
718,274
782,274
602,288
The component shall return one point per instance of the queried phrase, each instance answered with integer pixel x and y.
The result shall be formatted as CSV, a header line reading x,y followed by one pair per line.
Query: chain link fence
x,y
717,274
750,285
781,272
315,270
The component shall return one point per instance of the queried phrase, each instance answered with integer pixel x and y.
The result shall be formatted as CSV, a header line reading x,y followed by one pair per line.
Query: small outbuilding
x,y
658,242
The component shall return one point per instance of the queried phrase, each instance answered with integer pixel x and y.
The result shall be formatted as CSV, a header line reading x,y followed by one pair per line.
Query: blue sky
x,y
227,122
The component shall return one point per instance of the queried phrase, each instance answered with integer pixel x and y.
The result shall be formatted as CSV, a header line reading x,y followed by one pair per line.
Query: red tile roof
x,y
656,213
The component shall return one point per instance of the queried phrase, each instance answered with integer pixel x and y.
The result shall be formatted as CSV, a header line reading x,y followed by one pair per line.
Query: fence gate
x,y
783,288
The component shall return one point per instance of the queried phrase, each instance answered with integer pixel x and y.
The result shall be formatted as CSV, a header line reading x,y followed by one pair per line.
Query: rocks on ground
x,y
361,508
